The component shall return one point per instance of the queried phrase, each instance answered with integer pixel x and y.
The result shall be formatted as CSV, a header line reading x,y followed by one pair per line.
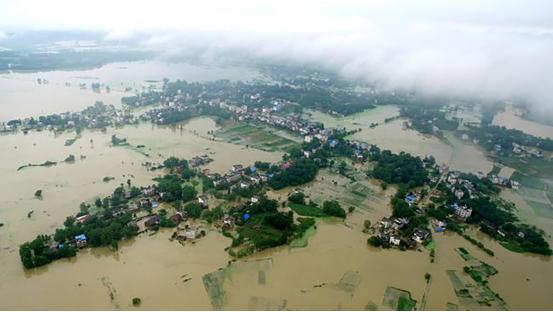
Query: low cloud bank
x,y
496,49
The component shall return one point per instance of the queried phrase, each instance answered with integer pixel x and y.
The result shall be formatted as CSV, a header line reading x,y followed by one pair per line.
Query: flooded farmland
x,y
510,118
458,154
65,185
338,271
335,270
22,96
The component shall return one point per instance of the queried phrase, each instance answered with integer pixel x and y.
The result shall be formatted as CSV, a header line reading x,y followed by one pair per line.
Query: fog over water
x,y
498,49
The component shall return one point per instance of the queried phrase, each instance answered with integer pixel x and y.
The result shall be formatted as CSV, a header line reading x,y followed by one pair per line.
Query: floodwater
x,y
337,270
66,185
22,96
510,118
355,121
310,277
458,154
192,140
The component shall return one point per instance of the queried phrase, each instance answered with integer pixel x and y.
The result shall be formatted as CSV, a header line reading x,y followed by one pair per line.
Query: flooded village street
x,y
335,270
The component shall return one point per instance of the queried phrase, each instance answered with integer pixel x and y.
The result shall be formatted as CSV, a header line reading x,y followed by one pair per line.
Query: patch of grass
x,y
306,229
541,209
495,170
512,246
405,304
430,245
306,210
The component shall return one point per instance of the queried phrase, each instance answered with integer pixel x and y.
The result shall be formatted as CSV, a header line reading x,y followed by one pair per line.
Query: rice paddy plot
x,y
540,208
398,299
259,303
349,281
472,295
471,286
217,282
260,137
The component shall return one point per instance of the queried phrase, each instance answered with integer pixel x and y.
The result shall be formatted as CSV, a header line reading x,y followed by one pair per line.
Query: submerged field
x,y
450,150
259,137
510,119
65,185
330,267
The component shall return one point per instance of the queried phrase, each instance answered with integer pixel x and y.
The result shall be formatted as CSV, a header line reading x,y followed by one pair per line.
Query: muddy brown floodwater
x,y
336,270
458,154
511,119
21,96
65,185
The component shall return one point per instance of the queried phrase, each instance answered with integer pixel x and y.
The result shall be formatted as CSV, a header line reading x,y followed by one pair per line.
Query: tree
x,y
367,224
297,198
400,168
173,162
69,221
136,301
171,186
300,171
212,215
188,193
279,220
84,207
333,208
351,209
262,165
374,241
193,210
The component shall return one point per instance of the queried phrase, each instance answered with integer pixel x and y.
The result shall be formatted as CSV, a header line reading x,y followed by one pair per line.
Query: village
x,y
149,207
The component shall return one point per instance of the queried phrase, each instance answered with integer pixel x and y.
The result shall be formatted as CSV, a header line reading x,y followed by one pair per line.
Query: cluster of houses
x,y
200,160
461,211
156,115
238,175
92,117
458,185
291,122
188,232
389,232
505,182
522,151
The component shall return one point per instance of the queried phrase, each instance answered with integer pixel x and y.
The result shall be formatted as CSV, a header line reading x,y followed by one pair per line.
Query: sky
x,y
485,48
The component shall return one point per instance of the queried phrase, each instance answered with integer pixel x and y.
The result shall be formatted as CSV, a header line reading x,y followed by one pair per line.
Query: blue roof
x,y
80,237
246,216
253,169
